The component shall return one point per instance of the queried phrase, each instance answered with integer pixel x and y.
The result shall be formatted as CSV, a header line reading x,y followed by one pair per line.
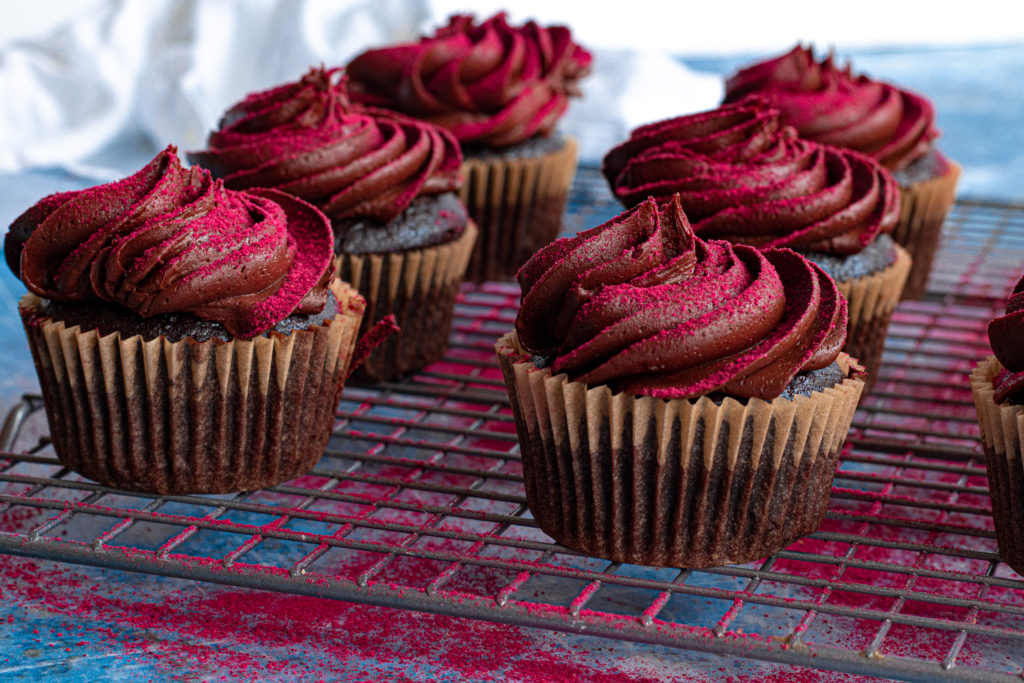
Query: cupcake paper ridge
x,y
722,482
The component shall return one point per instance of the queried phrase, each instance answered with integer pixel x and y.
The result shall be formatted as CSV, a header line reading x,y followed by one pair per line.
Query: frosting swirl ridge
x,y
1005,334
305,138
488,83
173,240
745,177
642,304
831,105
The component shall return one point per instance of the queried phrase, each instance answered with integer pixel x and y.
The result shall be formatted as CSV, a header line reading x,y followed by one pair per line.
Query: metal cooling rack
x,y
418,503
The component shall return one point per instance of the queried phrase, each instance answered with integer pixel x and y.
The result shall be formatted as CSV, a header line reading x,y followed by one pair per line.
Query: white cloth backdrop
x,y
163,71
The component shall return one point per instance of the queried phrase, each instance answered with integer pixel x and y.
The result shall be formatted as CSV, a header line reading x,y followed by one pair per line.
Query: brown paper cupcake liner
x,y
681,483
518,205
872,300
1002,439
419,287
187,416
923,209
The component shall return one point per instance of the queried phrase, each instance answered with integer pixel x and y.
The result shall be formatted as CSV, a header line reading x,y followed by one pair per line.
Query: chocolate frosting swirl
x,y
173,240
305,138
488,83
833,106
643,305
744,177
1005,334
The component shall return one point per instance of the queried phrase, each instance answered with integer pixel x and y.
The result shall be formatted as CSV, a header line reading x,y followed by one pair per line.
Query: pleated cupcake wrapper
x,y
187,416
419,287
872,300
518,205
683,483
1002,439
923,209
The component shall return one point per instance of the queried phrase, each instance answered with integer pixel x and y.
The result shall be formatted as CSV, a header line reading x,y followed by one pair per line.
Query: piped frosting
x,y
1005,334
834,106
642,304
745,177
174,240
489,83
307,139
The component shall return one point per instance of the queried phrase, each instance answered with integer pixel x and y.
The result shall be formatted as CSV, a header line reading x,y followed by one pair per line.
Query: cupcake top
x,y
745,177
173,240
1005,334
643,305
489,83
836,107
305,138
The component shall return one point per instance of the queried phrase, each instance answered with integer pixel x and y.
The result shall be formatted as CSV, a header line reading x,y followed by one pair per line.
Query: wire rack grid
x,y
418,503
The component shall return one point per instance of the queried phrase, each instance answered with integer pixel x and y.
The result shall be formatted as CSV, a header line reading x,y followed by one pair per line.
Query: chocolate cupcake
x,y
742,176
188,338
500,90
893,125
679,402
997,384
388,184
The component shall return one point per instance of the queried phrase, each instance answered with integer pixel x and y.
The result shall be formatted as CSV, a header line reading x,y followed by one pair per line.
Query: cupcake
x,y
679,402
388,184
500,90
997,384
742,176
188,338
893,125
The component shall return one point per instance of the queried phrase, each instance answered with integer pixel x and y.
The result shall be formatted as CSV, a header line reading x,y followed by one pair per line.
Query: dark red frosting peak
x,y
305,138
173,240
831,105
1006,335
488,83
742,176
642,304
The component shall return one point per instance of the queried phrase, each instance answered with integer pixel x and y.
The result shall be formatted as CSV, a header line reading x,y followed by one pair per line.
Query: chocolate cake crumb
x,y
874,258
108,318
537,146
931,165
430,220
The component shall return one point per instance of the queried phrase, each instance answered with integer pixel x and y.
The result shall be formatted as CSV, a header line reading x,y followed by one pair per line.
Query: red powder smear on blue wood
x,y
335,638
253,635
210,629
